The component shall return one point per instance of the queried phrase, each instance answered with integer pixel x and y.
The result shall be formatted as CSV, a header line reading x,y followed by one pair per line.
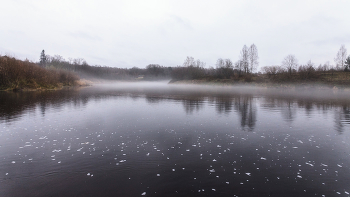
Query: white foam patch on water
x,y
143,194
309,164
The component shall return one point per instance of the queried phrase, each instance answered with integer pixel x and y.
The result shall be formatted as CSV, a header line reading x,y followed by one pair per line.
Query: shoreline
x,y
269,85
77,84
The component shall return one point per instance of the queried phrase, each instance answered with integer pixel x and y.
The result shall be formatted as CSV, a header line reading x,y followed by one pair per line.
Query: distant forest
x,y
245,69
57,70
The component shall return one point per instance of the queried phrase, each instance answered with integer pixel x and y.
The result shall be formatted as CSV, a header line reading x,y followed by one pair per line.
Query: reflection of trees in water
x,y
307,105
14,104
342,118
289,111
192,104
153,100
223,104
287,107
246,106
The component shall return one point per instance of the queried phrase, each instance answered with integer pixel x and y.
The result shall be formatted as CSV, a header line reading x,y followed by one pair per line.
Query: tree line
x,y
242,70
190,69
291,69
84,70
225,68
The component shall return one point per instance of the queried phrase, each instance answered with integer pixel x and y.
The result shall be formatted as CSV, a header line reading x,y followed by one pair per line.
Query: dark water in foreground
x,y
169,141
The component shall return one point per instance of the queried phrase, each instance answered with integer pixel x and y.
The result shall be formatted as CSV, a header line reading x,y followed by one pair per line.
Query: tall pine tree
x,y
42,59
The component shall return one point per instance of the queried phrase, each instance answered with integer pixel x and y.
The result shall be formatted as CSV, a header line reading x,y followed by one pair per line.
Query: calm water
x,y
166,140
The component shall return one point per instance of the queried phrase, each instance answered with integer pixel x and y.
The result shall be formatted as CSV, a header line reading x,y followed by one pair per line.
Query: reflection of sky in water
x,y
129,144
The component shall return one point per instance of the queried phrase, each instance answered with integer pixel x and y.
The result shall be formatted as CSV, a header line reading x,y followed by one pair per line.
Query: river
x,y
155,139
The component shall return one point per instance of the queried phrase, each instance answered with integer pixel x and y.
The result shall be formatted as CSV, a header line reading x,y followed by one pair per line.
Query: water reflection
x,y
191,105
286,106
342,118
223,103
246,107
128,142
15,104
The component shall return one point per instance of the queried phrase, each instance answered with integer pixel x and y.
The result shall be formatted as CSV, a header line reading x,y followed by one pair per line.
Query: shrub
x,y
17,74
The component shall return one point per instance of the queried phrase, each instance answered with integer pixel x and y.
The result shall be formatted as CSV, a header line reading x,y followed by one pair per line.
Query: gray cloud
x,y
85,35
137,33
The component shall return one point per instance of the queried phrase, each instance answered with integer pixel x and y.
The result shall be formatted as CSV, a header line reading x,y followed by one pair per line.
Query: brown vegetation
x,y
16,74
306,74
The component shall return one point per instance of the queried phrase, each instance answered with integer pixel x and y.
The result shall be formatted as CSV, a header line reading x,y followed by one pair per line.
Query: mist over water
x,y
157,139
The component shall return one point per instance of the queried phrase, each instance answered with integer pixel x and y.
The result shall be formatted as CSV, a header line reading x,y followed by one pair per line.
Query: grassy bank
x,y
18,75
338,79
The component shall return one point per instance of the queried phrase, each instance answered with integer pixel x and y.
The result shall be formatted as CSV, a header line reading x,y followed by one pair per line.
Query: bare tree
x,y
228,63
340,58
239,66
272,70
307,71
253,58
189,62
79,61
290,63
199,64
224,68
220,63
245,58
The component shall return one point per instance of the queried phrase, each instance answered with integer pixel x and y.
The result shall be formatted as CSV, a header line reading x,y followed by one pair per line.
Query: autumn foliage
x,y
16,74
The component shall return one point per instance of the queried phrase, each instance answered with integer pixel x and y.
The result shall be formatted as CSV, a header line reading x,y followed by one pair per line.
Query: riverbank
x,y
338,80
24,75
77,84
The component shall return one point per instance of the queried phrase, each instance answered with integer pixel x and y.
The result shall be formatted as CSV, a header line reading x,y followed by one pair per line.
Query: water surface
x,y
167,140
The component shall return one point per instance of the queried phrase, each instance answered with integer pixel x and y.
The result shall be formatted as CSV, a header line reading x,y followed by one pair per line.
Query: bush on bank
x,y
17,74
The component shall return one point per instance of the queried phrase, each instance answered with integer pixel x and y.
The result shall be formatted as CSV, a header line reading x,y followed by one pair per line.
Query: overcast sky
x,y
137,33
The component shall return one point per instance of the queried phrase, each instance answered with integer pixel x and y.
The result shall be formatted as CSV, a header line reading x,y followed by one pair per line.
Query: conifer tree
x,y
42,59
